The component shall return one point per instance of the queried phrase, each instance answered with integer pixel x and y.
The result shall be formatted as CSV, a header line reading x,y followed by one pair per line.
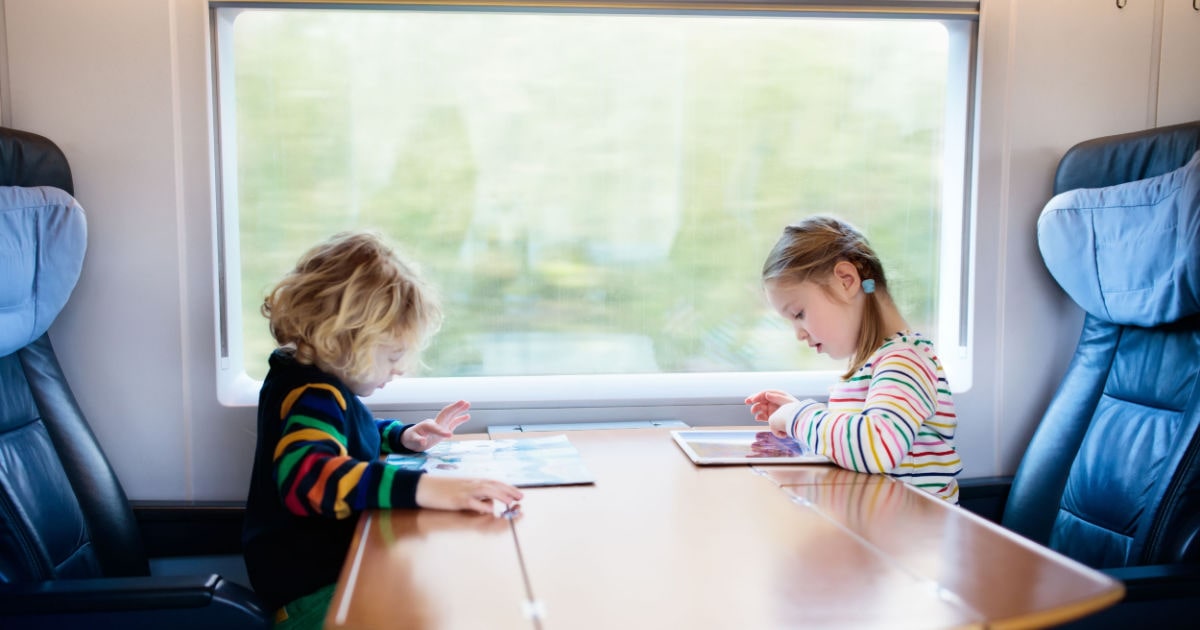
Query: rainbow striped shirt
x,y
316,464
316,470
894,416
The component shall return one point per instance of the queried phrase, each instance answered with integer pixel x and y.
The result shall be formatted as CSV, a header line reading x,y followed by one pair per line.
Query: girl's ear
x,y
845,278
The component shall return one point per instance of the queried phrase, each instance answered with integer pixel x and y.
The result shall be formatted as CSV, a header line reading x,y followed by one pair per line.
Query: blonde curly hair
x,y
346,295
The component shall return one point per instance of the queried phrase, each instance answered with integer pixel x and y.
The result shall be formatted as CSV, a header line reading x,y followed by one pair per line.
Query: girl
x,y
891,412
350,317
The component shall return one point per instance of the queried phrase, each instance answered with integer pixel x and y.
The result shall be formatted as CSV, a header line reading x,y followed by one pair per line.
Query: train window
x,y
592,191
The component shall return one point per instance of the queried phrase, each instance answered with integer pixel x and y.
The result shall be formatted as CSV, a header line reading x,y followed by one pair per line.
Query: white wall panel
x,y
95,78
1179,74
1078,69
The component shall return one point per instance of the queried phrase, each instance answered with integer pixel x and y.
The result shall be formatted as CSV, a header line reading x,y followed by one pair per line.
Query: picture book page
x,y
522,462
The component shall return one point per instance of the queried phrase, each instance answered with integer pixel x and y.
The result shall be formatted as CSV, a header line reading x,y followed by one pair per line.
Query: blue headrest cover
x,y
1128,254
43,235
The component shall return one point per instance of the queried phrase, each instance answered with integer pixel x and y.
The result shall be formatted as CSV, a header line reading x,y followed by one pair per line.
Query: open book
x,y
735,446
522,462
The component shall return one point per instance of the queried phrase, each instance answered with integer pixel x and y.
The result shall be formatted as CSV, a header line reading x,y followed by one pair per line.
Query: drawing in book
x,y
524,462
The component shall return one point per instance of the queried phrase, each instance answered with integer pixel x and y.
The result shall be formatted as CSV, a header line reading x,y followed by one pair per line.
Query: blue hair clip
x,y
868,285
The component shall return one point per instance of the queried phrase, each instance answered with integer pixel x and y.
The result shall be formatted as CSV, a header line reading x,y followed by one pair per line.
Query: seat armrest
x,y
1158,581
1162,596
108,594
177,602
985,496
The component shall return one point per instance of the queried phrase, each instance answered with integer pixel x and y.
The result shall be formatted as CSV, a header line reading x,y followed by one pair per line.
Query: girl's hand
x,y
778,424
767,402
456,493
426,433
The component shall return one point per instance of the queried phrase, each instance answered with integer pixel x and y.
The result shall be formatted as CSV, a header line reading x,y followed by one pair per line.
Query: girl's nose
x,y
801,334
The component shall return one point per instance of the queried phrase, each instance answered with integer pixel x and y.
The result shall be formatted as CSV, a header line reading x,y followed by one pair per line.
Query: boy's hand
x,y
767,402
456,493
426,433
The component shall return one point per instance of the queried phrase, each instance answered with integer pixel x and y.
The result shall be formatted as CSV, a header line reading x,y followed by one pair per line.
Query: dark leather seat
x,y
1111,477
71,554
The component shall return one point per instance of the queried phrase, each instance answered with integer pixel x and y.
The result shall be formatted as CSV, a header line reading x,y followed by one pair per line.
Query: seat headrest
x,y
43,236
1129,253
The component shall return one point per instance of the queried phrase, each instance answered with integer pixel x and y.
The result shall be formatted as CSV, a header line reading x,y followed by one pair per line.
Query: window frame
x,y
617,392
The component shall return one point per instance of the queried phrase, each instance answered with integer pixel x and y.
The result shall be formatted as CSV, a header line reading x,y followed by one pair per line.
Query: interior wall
x,y
97,78
121,87
1053,74
1179,74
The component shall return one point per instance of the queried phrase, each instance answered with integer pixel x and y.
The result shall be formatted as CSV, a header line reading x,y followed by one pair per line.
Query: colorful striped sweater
x,y
317,463
894,415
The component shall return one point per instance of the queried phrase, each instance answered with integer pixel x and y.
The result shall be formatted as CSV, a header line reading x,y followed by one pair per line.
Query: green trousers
x,y
305,613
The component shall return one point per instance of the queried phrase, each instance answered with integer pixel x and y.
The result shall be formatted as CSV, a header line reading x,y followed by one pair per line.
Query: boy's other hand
x,y
426,433
455,493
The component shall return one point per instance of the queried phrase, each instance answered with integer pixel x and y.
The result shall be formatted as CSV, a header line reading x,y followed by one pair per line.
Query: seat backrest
x,y
1112,474
1128,157
63,513
27,159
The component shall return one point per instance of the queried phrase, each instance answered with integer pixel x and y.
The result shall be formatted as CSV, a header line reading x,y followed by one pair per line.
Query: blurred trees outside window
x,y
590,193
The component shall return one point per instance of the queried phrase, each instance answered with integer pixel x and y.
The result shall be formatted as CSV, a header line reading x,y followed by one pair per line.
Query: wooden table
x,y
660,543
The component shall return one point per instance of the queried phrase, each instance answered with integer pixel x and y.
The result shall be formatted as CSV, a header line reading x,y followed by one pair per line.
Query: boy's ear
x,y
845,278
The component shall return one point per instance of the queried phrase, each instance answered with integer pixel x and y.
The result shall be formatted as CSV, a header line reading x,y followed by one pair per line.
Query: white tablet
x,y
736,446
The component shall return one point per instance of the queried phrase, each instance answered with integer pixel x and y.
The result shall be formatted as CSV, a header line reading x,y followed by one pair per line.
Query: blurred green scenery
x,y
589,193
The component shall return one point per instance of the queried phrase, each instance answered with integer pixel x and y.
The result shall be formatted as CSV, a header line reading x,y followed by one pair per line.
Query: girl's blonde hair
x,y
809,250
345,296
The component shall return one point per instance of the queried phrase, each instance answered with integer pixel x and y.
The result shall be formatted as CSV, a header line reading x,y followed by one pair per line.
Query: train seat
x,y
71,550
1111,476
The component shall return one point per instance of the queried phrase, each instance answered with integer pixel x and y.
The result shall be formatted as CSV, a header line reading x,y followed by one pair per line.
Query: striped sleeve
x,y
389,435
898,393
314,472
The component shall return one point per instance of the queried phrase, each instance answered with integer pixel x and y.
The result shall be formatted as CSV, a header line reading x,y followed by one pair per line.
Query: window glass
x,y
591,194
